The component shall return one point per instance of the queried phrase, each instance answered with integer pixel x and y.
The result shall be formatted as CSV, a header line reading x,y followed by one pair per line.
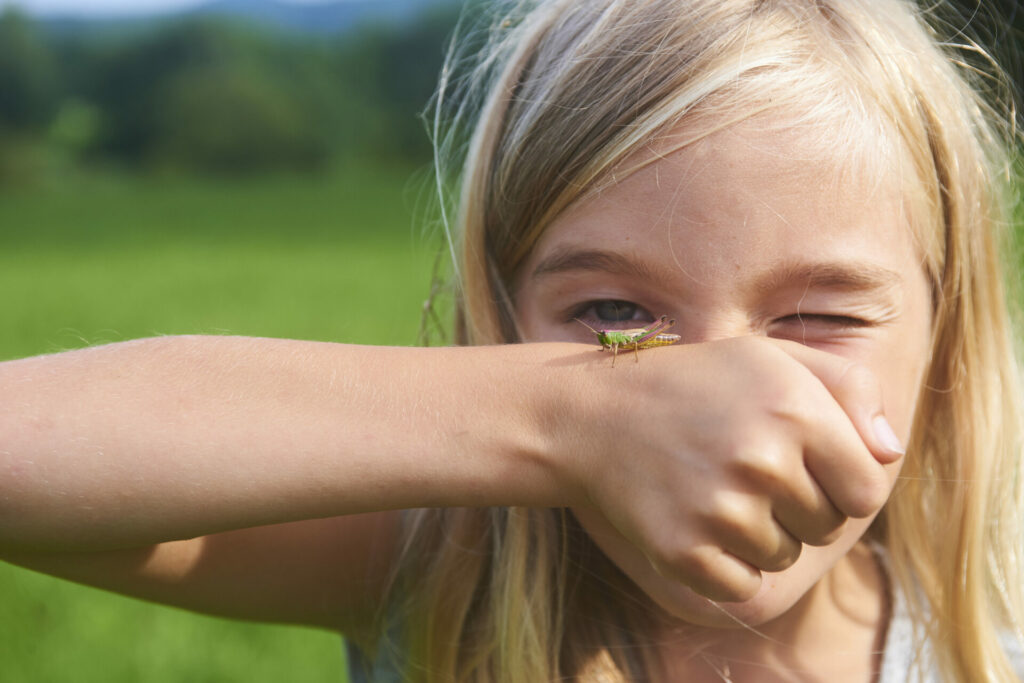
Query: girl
x,y
822,482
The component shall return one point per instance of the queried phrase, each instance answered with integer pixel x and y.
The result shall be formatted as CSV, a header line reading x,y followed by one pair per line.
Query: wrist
x,y
557,409
511,424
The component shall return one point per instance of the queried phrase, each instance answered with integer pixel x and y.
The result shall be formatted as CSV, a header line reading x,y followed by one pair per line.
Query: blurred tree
x,y
215,95
28,98
28,82
227,118
397,72
131,80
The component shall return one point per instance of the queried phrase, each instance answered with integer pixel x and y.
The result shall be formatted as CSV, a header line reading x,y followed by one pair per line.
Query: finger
x,y
742,522
855,483
859,393
711,572
833,451
809,515
767,547
797,502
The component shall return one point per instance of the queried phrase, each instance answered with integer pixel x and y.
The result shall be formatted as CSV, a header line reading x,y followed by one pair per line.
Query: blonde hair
x,y
565,93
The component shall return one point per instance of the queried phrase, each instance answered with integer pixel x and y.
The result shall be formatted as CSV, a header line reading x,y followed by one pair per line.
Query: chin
x,y
780,592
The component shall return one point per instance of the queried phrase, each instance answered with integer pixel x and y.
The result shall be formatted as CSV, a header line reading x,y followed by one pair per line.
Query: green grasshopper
x,y
636,338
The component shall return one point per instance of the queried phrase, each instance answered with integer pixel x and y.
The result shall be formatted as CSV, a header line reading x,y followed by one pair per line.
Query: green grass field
x,y
108,258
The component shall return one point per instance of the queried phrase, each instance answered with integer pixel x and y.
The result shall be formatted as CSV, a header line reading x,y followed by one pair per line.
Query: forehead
x,y
754,188
740,214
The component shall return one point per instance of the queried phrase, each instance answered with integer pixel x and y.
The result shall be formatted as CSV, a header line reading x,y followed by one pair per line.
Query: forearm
x,y
176,437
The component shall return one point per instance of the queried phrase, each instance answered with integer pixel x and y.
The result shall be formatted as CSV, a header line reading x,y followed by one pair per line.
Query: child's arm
x,y
328,573
110,457
136,443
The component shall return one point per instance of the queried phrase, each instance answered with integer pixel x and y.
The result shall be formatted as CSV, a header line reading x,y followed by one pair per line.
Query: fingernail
x,y
886,436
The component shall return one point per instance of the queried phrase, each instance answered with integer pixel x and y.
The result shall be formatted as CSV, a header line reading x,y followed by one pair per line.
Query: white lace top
x,y
898,661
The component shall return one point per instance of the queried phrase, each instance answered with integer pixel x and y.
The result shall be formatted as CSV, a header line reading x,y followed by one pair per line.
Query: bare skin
x,y
201,471
792,268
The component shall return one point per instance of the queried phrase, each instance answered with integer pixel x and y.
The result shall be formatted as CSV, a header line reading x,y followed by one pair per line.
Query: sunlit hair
x,y
564,96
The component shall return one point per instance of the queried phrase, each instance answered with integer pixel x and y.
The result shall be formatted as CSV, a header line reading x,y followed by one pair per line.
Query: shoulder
x,y
908,656
1015,651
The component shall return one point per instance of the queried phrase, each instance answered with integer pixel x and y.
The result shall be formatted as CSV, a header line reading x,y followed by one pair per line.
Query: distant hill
x,y
332,17
324,19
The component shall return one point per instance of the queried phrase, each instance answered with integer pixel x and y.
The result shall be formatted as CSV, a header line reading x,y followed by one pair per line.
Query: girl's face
x,y
747,232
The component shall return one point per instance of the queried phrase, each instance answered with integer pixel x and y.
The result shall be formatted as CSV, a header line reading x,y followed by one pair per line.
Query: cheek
x,y
900,392
527,316
901,373
904,374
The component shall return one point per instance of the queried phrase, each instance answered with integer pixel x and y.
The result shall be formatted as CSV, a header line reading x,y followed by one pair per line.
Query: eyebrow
x,y
855,276
567,259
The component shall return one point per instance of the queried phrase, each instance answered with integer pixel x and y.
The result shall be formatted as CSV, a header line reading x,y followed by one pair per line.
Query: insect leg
x,y
656,328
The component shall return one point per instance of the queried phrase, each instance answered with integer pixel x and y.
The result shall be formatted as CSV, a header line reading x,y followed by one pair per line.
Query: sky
x,y
108,7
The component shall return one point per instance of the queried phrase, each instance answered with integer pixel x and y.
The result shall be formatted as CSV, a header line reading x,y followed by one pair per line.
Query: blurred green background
x,y
112,257
216,173
202,173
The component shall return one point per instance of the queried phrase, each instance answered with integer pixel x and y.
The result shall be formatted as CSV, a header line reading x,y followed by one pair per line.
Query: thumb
x,y
856,388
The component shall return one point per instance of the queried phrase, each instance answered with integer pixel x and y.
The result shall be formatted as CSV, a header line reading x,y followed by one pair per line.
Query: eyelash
x,y
589,312
843,321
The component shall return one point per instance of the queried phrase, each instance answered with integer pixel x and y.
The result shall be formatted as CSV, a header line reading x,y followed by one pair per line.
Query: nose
x,y
715,326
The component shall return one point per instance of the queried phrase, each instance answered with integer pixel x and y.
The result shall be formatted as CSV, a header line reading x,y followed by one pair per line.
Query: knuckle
x,y
672,553
822,532
856,378
793,407
869,497
719,578
734,590
785,556
683,563
766,467
816,522
729,514
746,528
698,566
828,534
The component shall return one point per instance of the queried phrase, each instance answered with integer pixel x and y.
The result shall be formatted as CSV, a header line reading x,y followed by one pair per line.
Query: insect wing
x,y
629,336
653,331
640,336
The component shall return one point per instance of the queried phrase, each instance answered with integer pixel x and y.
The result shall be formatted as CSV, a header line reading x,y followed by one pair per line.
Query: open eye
x,y
610,313
615,311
